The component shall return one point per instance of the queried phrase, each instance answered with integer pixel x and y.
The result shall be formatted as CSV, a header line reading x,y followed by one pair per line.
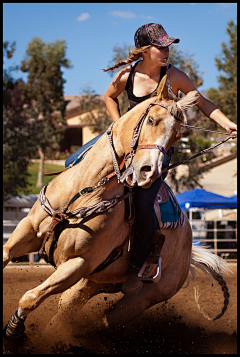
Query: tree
x,y
18,133
120,53
226,95
44,89
94,111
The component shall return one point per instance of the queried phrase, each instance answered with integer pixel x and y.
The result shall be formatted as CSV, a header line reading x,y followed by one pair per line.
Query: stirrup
x,y
150,273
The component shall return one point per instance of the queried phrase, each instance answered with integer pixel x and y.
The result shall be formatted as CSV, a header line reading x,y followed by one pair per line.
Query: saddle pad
x,y
169,211
171,215
163,194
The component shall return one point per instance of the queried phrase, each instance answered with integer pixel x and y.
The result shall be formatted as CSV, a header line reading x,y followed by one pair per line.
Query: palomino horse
x,y
91,233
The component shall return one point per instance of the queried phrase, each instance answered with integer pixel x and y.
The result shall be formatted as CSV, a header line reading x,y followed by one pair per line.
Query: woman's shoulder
x,y
177,73
123,74
180,80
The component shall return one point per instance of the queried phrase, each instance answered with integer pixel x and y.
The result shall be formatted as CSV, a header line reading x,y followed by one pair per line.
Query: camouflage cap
x,y
153,34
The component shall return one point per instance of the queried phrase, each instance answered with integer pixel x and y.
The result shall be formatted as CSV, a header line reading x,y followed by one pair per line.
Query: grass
x,y
33,171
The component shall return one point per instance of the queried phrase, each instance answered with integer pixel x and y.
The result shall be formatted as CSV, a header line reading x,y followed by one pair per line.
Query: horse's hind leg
x,y
22,241
63,278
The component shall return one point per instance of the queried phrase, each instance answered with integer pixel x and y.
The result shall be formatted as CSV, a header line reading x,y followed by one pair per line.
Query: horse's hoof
x,y
15,328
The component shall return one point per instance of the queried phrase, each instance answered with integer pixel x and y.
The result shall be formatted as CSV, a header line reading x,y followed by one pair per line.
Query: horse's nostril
x,y
146,168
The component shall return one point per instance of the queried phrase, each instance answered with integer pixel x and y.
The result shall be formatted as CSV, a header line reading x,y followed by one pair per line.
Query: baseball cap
x,y
153,34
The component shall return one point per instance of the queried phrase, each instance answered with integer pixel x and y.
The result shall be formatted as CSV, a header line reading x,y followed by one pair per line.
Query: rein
x,y
202,151
196,155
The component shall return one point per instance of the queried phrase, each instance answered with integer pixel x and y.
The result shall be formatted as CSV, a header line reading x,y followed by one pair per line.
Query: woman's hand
x,y
232,129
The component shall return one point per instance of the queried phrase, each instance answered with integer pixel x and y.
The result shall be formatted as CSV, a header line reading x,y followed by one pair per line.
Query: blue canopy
x,y
205,199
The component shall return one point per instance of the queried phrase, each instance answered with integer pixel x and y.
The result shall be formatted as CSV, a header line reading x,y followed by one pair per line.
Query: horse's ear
x,y
162,92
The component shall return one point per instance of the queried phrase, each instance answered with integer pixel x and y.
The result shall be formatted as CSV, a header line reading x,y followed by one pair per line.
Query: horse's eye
x,y
150,120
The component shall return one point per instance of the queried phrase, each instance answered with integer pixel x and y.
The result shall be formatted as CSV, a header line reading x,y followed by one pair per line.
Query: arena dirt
x,y
172,327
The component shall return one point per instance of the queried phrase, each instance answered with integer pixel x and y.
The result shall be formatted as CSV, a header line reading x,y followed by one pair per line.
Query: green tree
x,y
44,89
120,53
96,113
18,132
226,95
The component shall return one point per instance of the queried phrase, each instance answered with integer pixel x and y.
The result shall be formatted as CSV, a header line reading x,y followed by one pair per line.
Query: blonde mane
x,y
183,105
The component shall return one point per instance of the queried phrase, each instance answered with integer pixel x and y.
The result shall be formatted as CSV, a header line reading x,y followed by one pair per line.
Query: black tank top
x,y
133,100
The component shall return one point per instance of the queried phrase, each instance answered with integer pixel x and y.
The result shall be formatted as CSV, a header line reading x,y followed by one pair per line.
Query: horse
x,y
130,153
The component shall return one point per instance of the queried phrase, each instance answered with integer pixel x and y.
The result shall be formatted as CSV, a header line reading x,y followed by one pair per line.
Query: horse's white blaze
x,y
157,156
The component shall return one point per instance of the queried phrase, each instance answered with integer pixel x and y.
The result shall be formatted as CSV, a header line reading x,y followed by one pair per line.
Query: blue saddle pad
x,y
169,211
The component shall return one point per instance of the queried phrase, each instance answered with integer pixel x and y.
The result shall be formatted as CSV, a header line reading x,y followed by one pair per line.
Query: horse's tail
x,y
214,266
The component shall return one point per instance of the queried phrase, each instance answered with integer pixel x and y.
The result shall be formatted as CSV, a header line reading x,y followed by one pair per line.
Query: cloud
x,y
147,17
84,16
124,14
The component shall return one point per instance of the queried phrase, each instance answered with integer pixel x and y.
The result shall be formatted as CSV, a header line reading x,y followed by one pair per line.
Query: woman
x,y
141,82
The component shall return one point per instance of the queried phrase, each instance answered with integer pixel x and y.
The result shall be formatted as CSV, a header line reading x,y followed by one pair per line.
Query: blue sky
x,y
91,30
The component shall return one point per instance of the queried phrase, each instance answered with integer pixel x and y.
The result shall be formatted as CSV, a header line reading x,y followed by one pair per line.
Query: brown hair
x,y
133,56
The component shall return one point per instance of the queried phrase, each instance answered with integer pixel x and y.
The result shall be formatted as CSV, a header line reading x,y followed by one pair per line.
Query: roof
x,y
73,100
23,201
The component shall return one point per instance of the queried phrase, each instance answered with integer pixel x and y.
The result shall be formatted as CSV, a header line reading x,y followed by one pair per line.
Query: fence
x,y
223,241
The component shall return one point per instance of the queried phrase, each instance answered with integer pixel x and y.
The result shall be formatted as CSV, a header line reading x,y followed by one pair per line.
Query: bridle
x,y
134,146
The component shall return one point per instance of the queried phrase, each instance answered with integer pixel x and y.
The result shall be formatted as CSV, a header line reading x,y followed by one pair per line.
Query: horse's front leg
x,y
67,274
23,240
71,319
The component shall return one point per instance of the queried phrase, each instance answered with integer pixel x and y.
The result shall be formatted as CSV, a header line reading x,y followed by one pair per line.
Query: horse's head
x,y
156,131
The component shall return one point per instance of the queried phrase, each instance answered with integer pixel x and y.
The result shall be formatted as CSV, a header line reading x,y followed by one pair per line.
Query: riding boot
x,y
132,283
151,269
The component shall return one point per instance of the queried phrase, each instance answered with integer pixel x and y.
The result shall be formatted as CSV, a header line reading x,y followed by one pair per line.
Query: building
x,y
77,132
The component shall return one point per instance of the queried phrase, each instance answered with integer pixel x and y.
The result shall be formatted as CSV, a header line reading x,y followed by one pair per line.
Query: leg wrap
x,y
15,327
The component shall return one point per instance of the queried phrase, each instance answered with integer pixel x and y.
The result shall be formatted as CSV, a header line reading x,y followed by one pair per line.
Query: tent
x,y
205,199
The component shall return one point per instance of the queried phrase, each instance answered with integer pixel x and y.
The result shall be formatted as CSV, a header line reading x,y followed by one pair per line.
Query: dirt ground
x,y
173,327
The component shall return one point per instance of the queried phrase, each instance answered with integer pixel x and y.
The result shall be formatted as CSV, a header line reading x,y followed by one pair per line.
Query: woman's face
x,y
159,55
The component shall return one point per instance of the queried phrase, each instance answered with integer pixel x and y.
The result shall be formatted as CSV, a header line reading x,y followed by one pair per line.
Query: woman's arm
x,y
180,81
115,88
213,112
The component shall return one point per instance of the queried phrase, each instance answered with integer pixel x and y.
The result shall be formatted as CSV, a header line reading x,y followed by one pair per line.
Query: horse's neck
x,y
97,163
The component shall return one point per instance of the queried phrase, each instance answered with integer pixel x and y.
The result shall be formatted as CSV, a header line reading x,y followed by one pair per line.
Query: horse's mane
x,y
183,104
